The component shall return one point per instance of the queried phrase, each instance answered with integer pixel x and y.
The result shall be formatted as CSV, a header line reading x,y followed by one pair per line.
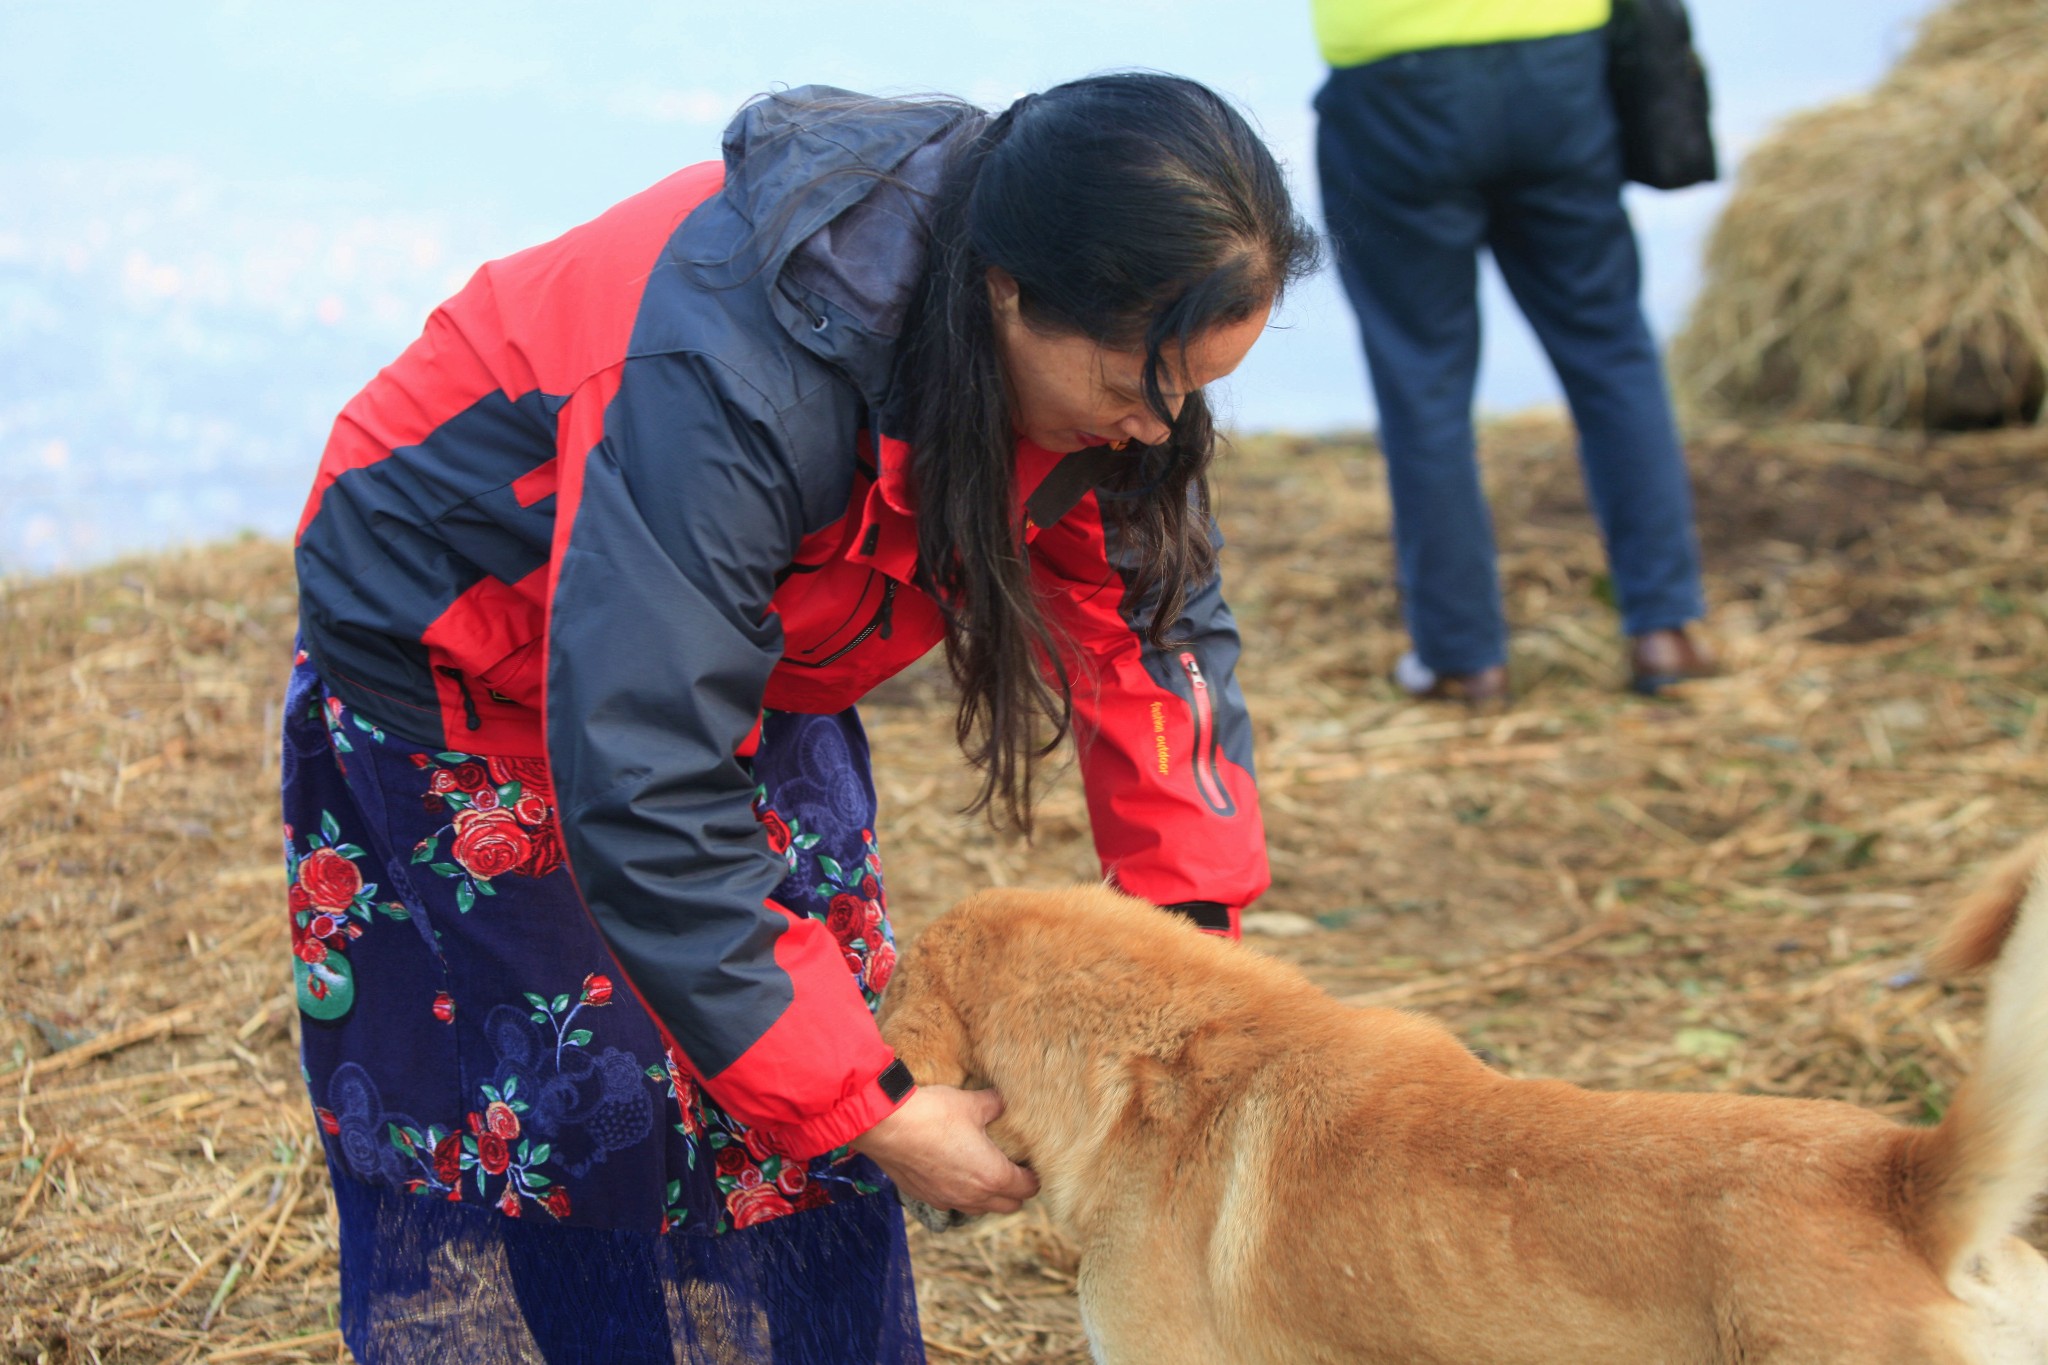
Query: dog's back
x,y
1619,1202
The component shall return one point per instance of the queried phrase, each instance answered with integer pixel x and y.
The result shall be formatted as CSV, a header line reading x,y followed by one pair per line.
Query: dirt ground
x,y
1722,890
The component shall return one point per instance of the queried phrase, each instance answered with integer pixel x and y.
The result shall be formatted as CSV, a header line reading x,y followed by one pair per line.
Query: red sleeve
x,y
1163,736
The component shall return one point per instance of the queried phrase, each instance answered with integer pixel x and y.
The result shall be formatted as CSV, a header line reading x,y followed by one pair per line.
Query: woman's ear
x,y
917,1016
1003,292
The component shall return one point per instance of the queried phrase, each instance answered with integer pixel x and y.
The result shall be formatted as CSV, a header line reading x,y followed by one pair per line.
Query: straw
x,y
1884,260
1726,889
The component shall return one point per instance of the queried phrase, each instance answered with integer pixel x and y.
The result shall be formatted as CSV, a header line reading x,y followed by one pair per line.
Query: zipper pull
x,y
889,609
469,716
1194,670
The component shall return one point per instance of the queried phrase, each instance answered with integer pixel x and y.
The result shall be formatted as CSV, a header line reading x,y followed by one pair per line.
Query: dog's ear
x,y
918,1018
1160,1094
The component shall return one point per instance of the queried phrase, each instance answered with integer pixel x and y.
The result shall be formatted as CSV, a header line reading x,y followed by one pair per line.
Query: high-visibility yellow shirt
x,y
1355,31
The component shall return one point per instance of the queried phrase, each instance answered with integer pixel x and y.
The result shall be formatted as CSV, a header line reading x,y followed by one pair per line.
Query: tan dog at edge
x,y
1254,1172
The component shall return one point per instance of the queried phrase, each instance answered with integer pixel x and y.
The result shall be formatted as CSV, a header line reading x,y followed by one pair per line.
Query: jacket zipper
x,y
469,715
883,620
1208,781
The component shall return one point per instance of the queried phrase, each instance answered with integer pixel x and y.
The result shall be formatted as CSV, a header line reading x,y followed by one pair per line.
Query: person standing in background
x,y
1451,125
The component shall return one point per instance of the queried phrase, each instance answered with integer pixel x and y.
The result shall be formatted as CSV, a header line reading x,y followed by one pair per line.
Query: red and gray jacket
x,y
634,485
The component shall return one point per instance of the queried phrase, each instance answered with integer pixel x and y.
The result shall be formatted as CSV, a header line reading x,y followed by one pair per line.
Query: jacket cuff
x,y
1211,917
870,1103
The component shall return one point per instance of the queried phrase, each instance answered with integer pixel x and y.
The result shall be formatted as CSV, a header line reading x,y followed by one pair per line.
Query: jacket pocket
x,y
840,628
1208,775
516,679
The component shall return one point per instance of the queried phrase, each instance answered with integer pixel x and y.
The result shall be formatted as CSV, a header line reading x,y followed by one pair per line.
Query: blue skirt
x,y
522,1170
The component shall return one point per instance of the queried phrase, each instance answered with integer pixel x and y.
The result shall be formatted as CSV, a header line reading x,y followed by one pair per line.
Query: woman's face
x,y
1068,392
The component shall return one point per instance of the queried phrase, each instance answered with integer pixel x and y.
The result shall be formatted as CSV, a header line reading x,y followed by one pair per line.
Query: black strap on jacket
x,y
1071,480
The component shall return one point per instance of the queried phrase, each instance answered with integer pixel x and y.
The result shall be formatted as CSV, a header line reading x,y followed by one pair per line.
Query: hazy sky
x,y
217,217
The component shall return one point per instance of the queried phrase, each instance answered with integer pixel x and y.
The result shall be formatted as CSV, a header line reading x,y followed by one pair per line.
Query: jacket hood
x,y
833,194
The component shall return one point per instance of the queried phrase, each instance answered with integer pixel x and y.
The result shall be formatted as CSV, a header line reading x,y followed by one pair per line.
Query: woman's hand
x,y
937,1150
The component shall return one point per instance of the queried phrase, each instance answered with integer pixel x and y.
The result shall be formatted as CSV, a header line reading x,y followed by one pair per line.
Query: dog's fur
x,y
1254,1172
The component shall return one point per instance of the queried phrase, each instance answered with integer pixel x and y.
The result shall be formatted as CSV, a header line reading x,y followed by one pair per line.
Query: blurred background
x,y
218,218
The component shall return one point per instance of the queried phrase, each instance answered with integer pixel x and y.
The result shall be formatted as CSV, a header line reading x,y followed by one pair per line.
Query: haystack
x,y
1884,260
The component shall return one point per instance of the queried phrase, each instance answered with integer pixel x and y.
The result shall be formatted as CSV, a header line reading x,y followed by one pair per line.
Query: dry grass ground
x,y
1723,890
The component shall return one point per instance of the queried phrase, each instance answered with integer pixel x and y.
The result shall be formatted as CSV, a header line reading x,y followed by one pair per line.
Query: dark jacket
x,y
635,484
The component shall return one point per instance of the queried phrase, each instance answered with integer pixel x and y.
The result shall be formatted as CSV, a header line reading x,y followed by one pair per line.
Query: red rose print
x,y
329,1124
881,965
448,1159
548,853
491,1153
530,773
778,830
870,920
321,927
843,919
432,804
557,1202
813,1197
531,810
730,1160
419,760
686,1095
853,962
312,952
597,989
442,782
297,899
508,1203
331,881
871,888
489,843
791,1181
334,708
750,1177
756,1205
471,777
444,1007
758,1145
484,798
502,1121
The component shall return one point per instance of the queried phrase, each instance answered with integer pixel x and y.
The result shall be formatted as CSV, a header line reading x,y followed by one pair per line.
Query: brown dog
x,y
1254,1172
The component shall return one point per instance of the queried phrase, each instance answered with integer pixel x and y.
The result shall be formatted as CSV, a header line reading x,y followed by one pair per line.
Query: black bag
x,y
1660,95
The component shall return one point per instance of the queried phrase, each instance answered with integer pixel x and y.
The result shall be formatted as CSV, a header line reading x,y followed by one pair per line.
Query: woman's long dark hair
x,y
1139,211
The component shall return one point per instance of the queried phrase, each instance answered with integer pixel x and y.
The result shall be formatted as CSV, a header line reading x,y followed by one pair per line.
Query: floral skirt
x,y
522,1171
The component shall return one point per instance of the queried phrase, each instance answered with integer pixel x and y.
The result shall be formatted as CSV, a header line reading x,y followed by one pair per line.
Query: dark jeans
x,y
1425,158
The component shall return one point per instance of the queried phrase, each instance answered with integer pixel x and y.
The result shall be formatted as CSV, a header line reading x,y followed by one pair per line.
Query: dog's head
x,y
920,1021
974,963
